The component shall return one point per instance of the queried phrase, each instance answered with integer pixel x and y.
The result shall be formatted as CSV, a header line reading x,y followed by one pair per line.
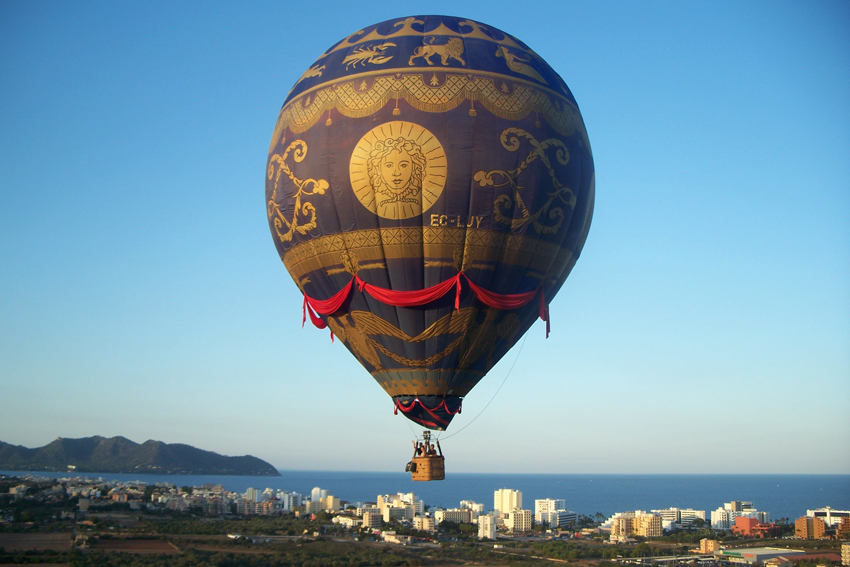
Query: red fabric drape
x,y
430,411
409,298
316,307
499,300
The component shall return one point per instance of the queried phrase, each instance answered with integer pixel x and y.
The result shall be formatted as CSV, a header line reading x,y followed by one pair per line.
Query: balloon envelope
x,y
429,187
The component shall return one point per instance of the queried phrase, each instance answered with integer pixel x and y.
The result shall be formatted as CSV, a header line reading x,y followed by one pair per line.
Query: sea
x,y
781,495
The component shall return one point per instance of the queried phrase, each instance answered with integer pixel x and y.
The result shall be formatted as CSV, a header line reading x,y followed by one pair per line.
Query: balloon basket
x,y
427,464
428,468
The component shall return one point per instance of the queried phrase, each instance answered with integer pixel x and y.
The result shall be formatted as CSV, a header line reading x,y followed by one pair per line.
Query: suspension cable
x,y
494,395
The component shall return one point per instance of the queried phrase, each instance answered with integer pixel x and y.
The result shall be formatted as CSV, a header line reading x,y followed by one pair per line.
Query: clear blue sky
x,y
706,327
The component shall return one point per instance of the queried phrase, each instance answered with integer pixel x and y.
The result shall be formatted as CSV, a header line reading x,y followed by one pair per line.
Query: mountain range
x,y
120,455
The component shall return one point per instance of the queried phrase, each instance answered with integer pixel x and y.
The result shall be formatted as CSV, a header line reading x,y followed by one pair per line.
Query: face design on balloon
x,y
398,170
396,167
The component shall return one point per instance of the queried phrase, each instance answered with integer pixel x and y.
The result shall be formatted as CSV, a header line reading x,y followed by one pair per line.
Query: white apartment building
x,y
423,523
829,516
549,505
349,522
724,518
368,510
410,499
556,518
313,506
639,523
505,500
457,515
372,520
474,507
288,500
399,513
518,520
671,518
486,527
318,494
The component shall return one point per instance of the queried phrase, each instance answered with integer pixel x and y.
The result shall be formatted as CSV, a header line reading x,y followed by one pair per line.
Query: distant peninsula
x,y
120,455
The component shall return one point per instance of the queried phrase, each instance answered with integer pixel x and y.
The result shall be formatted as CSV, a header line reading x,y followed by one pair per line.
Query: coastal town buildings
x,y
505,500
637,523
474,507
549,505
371,519
674,518
457,515
518,520
486,527
424,523
557,518
842,530
750,527
808,527
755,555
724,518
831,518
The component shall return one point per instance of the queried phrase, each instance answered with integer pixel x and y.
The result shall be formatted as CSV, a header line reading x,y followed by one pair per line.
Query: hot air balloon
x,y
429,188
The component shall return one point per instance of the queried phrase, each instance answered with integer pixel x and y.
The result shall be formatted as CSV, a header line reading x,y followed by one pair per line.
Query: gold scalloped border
x,y
347,98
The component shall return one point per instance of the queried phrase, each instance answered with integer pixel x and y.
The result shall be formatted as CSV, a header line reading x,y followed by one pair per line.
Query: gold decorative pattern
x,y
398,170
374,54
475,339
452,49
376,245
306,187
350,99
354,330
510,139
517,64
405,28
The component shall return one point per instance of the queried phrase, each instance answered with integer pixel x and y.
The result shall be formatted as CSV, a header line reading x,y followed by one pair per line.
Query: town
x,y
47,517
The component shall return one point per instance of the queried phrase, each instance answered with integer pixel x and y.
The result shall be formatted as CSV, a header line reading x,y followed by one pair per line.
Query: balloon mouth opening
x,y
431,412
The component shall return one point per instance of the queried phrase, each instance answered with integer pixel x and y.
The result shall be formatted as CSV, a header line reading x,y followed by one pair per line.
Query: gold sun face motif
x,y
398,170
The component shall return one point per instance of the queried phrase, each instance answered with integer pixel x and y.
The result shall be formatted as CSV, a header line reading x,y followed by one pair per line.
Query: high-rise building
x,y
505,500
486,527
549,505
807,527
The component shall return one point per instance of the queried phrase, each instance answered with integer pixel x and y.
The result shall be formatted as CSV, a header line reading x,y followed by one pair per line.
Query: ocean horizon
x,y
781,495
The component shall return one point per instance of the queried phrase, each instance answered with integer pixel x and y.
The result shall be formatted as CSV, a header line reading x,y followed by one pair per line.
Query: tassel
x,y
304,311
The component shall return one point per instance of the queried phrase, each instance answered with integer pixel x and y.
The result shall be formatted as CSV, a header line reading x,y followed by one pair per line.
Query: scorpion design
x,y
368,54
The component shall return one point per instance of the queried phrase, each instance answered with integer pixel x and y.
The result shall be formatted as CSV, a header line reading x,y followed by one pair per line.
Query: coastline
x,y
782,495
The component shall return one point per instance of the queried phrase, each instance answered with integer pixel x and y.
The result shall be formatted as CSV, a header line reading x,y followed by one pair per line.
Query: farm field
x,y
37,542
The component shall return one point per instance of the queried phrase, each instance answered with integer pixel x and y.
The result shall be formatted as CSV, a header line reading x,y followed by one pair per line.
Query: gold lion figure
x,y
451,50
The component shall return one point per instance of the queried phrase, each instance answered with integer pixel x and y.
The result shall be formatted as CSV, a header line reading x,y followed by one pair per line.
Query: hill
x,y
120,455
